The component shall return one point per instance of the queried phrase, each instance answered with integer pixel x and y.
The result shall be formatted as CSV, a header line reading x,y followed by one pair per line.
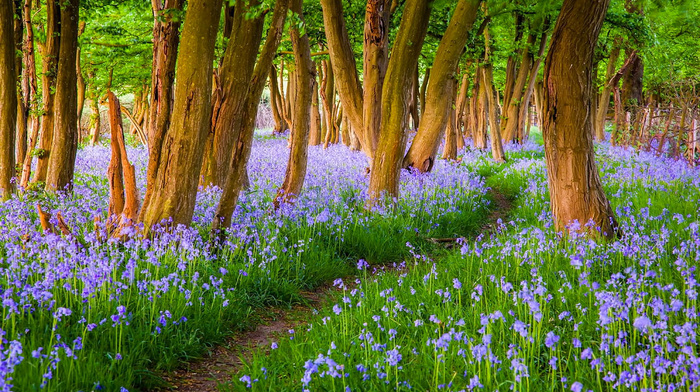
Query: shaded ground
x,y
225,360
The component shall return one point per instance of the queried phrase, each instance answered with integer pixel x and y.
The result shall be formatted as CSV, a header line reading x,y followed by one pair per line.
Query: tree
x,y
576,192
8,101
386,166
166,39
175,187
306,80
235,73
438,102
238,162
64,144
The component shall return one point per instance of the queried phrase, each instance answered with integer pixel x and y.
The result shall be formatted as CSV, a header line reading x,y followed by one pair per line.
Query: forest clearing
x,y
349,195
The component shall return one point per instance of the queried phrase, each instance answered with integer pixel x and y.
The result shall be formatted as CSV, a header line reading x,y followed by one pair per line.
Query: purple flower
x,y
643,324
551,340
576,387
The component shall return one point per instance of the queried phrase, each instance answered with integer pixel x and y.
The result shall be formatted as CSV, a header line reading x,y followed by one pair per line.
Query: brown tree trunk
x,y
315,132
450,149
487,82
81,84
8,101
166,39
22,102
462,109
50,52
438,104
423,91
524,115
276,102
480,108
175,187
235,73
241,152
115,173
386,167
513,100
64,145
604,100
576,192
304,88
29,89
343,63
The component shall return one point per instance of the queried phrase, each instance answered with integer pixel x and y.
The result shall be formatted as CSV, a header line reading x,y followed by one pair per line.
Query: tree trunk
x,y
81,84
423,91
115,172
305,80
96,120
512,102
64,145
604,100
576,192
8,101
22,102
525,104
175,187
450,149
487,82
386,167
315,132
235,73
241,152
166,38
481,104
438,104
461,109
276,102
343,63
29,89
48,84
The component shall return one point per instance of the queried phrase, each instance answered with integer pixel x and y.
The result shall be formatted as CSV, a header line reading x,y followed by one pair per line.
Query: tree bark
x,y
50,53
115,172
315,132
513,100
604,99
450,149
8,101
276,102
166,39
439,99
64,145
175,187
343,62
305,74
235,73
576,192
81,84
29,89
22,101
386,167
487,82
525,104
241,151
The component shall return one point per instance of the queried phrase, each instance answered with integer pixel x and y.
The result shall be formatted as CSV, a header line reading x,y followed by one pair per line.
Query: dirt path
x,y
225,360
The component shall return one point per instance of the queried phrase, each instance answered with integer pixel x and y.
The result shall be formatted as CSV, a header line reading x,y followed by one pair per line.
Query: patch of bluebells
x,y
92,312
545,312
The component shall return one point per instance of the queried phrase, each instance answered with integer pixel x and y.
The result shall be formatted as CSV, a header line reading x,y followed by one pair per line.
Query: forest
x,y
349,195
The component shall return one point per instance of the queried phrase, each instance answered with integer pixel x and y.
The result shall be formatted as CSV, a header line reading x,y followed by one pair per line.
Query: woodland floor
x,y
223,361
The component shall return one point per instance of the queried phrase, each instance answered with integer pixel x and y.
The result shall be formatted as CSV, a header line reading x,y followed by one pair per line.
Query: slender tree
x,y
175,186
386,167
8,100
166,39
65,134
576,192
438,102
305,74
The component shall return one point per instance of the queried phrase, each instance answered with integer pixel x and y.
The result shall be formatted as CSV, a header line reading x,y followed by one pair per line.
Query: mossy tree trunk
x,y
443,74
64,145
8,101
235,73
166,39
386,167
49,54
305,73
576,192
175,187
236,170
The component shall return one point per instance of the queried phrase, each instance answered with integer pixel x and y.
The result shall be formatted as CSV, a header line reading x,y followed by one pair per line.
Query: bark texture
x,y
305,80
49,54
575,189
64,145
166,39
386,167
236,172
8,101
235,73
438,102
175,187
